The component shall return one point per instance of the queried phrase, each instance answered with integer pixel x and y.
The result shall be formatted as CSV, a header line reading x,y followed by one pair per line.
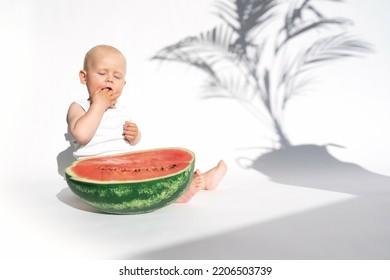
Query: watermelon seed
x,y
124,169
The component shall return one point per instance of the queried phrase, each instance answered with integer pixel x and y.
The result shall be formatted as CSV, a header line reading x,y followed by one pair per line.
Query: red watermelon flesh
x,y
134,166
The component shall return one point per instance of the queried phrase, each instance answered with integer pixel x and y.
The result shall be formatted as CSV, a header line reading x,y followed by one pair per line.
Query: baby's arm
x,y
131,133
83,125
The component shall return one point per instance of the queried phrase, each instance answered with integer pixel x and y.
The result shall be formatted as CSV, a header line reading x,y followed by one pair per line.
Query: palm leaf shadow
x,y
274,47
241,49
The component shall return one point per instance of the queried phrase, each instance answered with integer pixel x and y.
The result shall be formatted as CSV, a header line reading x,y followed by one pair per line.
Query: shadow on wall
x,y
265,53
313,166
65,158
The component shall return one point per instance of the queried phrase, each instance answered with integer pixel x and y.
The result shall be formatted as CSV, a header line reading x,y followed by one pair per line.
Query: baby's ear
x,y
83,77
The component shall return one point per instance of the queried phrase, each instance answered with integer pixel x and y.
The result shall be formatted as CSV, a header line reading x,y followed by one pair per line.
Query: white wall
x,y
43,44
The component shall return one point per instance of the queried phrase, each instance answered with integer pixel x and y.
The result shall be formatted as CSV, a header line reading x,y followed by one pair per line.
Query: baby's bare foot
x,y
214,176
195,186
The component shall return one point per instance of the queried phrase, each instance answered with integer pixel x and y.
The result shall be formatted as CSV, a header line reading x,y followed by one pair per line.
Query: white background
x,y
42,48
43,44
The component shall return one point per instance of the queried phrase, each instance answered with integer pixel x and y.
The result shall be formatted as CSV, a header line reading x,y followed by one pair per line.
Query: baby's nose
x,y
109,79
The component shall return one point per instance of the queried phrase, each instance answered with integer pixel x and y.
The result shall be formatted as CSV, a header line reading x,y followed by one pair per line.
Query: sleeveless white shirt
x,y
108,138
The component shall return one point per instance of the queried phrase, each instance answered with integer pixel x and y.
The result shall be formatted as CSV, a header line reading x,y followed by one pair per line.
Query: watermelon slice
x,y
134,182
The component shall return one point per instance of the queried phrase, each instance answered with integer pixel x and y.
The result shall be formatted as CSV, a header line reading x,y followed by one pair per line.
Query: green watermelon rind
x,y
132,197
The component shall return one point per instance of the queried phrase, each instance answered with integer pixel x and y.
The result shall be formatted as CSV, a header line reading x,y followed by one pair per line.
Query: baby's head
x,y
100,52
104,67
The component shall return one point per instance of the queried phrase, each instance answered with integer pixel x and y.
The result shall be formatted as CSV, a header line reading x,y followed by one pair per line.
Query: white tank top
x,y
108,138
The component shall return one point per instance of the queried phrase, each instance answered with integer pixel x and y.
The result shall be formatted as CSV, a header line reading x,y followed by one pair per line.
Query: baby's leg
x,y
213,177
196,185
204,181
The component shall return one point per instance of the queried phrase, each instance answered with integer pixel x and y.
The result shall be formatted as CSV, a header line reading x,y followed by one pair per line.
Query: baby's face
x,y
107,69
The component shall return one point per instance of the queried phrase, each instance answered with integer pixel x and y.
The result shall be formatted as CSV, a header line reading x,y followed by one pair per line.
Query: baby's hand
x,y
104,97
130,132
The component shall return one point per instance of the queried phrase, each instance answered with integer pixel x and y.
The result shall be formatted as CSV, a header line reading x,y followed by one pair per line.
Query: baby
x,y
99,125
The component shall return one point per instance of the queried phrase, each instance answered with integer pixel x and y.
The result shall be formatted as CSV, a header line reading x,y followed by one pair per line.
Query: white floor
x,y
248,217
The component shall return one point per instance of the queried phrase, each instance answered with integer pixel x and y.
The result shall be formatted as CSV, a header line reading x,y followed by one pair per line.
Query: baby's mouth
x,y
109,88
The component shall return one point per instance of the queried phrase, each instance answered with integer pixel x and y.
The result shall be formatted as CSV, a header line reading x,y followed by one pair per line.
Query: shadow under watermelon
x,y
67,197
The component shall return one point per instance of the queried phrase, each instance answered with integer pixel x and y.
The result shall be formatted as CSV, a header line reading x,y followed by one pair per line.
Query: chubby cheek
x,y
119,89
95,85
